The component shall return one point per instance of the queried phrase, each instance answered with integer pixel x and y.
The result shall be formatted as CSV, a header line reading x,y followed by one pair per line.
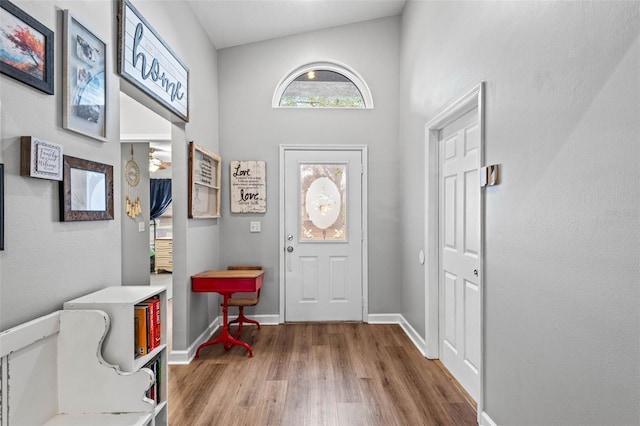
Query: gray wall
x,y
195,242
46,262
250,129
561,343
135,244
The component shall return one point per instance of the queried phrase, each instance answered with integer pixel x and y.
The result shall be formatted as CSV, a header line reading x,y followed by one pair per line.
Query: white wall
x,y
47,262
250,129
562,340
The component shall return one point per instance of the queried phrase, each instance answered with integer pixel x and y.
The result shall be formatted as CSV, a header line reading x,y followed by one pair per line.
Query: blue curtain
x,y
160,196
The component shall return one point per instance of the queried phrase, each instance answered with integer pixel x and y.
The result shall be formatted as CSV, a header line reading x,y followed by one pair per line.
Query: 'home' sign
x,y
145,60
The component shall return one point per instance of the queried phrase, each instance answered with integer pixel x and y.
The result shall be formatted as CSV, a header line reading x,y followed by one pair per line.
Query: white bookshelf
x,y
119,345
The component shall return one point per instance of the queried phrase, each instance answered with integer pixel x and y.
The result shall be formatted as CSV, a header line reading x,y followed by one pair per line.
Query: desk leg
x,y
225,337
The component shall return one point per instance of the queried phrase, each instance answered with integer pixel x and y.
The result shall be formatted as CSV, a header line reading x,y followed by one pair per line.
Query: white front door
x,y
459,230
323,235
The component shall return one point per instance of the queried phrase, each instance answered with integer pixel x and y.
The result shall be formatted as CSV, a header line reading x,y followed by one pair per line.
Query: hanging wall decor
x,y
148,63
204,183
26,48
40,159
132,175
85,80
86,191
248,181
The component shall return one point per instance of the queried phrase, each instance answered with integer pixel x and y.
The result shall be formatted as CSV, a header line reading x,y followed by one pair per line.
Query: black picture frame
x,y
1,206
18,58
83,183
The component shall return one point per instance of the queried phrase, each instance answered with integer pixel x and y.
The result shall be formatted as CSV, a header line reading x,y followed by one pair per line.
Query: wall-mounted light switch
x,y
140,226
254,227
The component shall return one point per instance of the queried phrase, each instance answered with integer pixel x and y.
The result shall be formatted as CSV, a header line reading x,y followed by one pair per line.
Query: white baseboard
x,y
485,420
413,335
265,319
186,356
384,319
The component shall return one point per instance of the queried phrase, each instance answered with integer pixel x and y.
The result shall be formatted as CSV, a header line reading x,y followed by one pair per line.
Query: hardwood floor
x,y
317,374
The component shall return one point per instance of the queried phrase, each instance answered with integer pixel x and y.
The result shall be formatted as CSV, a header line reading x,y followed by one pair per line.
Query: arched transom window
x,y
322,85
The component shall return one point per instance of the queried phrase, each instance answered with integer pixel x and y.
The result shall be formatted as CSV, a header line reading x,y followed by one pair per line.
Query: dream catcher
x,y
132,175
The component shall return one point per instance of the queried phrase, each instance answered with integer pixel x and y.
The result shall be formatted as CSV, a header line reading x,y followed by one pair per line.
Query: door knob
x,y
475,272
289,249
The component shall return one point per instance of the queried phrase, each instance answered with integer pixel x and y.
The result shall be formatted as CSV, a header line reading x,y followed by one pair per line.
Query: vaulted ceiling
x,y
235,22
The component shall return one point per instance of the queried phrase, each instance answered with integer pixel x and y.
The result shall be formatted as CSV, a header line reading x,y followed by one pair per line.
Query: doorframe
x,y
472,99
365,205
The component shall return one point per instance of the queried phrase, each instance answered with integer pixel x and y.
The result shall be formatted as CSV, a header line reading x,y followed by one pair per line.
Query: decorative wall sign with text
x,y
248,186
40,159
204,182
147,62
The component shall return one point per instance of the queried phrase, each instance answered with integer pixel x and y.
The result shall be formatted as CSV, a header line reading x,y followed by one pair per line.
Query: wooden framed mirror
x,y
86,190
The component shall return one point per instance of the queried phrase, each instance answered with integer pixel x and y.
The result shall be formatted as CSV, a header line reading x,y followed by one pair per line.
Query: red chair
x,y
242,302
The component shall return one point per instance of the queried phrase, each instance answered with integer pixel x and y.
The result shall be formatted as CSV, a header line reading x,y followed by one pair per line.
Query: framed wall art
x,y
86,192
147,62
40,159
204,183
248,186
26,48
85,80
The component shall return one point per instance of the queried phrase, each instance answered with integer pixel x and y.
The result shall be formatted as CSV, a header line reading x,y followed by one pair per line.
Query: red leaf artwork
x,y
30,45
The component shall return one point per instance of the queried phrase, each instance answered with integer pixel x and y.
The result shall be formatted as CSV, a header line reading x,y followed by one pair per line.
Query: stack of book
x,y
147,326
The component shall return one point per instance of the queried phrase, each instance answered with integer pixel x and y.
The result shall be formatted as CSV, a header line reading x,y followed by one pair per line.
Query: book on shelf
x,y
147,325
155,365
140,320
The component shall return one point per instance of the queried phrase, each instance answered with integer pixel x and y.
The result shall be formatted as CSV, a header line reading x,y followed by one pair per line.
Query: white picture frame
x,y
85,59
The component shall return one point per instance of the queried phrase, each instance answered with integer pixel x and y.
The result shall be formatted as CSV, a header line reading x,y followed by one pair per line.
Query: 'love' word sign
x,y
147,62
248,181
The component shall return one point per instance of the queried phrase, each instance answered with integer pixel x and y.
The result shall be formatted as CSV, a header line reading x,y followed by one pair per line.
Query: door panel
x,y
323,235
339,283
459,250
309,279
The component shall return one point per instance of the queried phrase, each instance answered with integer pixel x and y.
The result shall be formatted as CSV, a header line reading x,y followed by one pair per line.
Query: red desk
x,y
226,283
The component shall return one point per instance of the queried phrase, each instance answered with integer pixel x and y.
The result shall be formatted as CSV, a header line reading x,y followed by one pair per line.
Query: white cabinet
x,y
119,345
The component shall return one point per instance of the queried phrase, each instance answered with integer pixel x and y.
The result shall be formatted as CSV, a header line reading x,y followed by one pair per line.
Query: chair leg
x,y
242,319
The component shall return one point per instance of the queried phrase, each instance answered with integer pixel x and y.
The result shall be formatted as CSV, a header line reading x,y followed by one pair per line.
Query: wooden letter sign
x,y
147,62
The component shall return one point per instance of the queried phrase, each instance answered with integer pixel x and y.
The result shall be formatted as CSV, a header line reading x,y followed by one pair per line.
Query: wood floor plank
x,y
307,374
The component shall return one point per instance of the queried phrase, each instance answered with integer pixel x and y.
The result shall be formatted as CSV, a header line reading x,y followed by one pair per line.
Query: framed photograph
x,y
204,183
26,48
86,192
1,206
84,80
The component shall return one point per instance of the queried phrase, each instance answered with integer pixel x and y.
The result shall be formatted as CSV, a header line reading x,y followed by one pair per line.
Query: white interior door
x,y
323,235
459,230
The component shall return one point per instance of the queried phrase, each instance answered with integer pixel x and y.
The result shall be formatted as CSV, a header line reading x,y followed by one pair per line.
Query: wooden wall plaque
x,y
204,182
